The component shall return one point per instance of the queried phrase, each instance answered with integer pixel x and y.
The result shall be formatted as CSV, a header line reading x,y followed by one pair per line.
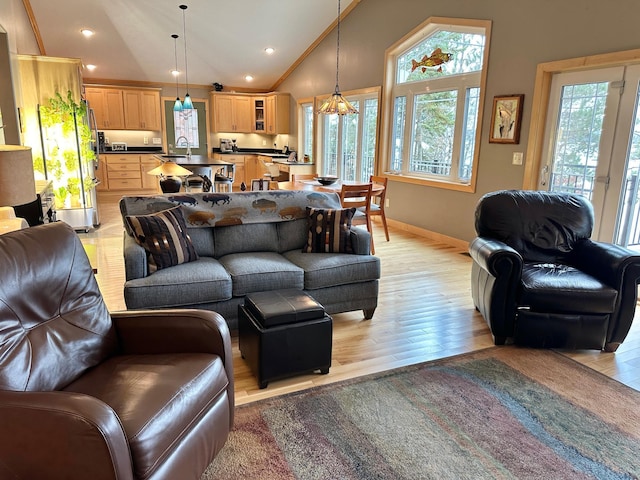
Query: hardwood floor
x,y
424,312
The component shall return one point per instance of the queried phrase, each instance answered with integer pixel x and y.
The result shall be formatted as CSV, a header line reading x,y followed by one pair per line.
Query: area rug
x,y
504,412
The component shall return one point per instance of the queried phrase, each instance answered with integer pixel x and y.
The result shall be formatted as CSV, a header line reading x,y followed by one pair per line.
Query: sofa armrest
x,y
45,432
135,258
360,241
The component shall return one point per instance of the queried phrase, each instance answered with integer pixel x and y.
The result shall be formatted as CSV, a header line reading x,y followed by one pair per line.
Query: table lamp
x,y
17,183
170,173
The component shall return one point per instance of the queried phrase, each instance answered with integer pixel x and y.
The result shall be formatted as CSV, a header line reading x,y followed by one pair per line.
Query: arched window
x,y
434,79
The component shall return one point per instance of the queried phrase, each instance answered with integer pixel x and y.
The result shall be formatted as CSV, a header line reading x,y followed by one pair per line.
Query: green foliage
x,y
61,118
61,195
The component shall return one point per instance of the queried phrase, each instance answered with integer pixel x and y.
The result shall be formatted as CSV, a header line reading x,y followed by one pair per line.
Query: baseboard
x,y
435,236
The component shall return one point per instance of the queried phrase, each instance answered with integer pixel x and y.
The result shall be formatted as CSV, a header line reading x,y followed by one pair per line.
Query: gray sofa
x,y
248,242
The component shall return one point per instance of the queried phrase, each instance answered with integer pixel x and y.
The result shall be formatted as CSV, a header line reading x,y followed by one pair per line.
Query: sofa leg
x,y
611,347
368,313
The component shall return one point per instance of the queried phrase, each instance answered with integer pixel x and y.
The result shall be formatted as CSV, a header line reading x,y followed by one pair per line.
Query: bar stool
x,y
200,180
223,179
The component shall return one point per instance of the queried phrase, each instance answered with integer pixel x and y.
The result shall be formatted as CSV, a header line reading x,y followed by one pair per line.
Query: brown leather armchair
x,y
539,279
85,394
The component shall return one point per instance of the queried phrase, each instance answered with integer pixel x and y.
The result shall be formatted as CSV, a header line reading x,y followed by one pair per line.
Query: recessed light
x,y
175,73
90,67
269,50
248,78
87,32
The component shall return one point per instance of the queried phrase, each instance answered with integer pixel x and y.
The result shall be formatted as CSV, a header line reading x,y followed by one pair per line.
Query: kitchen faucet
x,y
188,146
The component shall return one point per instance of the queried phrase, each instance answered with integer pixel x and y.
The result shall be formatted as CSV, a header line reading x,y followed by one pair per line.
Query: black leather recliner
x,y
539,280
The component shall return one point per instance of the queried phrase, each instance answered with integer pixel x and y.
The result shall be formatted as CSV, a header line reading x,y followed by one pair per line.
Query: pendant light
x,y
186,104
336,104
177,106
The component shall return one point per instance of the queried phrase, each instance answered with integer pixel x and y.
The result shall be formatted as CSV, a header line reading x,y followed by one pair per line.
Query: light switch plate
x,y
517,158
157,141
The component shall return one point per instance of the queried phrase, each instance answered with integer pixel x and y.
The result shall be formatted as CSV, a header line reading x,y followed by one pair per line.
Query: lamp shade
x,y
169,169
17,183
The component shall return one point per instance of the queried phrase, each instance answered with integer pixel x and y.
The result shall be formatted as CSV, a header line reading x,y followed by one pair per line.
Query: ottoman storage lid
x,y
279,307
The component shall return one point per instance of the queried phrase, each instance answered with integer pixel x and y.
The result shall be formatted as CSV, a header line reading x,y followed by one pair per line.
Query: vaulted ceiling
x,y
226,39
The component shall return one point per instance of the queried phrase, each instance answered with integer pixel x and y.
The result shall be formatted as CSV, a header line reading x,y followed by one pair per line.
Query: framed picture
x,y
259,184
506,119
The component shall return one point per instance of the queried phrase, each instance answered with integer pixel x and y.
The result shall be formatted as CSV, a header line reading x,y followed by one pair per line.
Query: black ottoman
x,y
284,333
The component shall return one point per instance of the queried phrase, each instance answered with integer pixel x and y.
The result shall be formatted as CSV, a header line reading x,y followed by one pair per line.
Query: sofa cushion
x,y
164,235
329,230
328,269
171,390
255,237
292,235
202,281
261,271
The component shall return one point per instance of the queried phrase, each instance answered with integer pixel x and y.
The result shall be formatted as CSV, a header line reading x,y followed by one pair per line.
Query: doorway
x,y
591,148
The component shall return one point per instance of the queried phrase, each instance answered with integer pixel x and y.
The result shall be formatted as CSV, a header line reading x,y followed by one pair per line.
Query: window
x,y
306,131
348,143
434,79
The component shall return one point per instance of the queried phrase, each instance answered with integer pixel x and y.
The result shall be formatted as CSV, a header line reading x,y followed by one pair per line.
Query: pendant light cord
x,y
175,52
184,34
338,50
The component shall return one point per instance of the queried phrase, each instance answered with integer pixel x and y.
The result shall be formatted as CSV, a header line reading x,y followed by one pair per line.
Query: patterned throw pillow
x,y
164,235
329,230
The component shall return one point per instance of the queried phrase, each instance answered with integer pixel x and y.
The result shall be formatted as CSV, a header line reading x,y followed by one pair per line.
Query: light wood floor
x,y
424,312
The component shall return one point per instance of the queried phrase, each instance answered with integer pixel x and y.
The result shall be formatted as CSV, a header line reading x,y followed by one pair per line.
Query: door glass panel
x,y
628,232
577,141
330,160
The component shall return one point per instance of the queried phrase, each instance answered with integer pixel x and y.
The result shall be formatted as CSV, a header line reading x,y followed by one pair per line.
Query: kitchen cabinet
x,y
128,171
232,113
277,113
108,107
149,182
259,113
254,168
142,109
125,108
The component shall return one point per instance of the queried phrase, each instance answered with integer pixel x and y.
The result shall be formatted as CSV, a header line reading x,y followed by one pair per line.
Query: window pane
x,y
330,161
466,49
350,144
434,121
397,139
369,118
469,133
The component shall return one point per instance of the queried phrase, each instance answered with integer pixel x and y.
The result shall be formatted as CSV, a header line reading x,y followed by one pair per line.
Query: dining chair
x,y
377,202
359,196
302,176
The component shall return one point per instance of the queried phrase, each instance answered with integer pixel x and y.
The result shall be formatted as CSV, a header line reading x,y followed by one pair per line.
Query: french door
x,y
591,147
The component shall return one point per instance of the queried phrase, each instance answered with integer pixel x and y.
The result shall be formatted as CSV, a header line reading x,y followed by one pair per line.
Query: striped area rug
x,y
504,412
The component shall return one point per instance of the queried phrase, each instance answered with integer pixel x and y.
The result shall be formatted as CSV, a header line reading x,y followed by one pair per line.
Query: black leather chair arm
x,y
608,263
42,433
619,268
496,257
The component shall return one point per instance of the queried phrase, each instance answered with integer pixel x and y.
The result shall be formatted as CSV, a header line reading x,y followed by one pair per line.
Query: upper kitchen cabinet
x,y
232,113
142,109
277,113
108,107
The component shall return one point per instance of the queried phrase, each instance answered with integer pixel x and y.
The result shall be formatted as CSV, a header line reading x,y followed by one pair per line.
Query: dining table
x,y
316,186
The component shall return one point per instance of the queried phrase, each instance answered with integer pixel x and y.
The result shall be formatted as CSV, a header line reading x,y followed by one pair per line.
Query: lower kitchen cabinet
x,y
128,172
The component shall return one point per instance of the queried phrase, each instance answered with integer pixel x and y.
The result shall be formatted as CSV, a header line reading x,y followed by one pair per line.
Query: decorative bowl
x,y
328,180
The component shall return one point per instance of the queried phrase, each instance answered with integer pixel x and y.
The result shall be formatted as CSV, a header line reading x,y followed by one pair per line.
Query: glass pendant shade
x,y
177,106
187,104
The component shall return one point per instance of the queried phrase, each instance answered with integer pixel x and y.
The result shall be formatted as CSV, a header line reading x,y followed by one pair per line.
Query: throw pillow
x,y
329,230
164,235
